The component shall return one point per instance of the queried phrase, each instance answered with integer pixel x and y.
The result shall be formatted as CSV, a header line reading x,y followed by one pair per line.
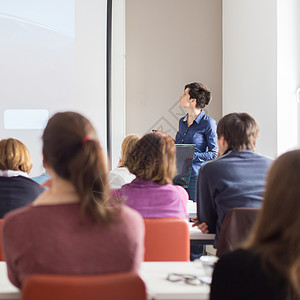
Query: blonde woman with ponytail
x,y
268,267
75,227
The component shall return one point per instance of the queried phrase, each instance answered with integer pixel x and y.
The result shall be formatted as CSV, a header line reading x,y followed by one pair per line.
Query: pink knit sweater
x,y
51,239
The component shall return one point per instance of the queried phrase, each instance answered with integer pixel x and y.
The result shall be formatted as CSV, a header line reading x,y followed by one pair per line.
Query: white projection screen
x,y
53,58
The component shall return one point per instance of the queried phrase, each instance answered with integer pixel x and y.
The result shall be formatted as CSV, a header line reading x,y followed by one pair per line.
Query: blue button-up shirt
x,y
203,133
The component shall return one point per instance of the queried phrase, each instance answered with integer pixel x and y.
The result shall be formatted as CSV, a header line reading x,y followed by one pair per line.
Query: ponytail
x,y
72,149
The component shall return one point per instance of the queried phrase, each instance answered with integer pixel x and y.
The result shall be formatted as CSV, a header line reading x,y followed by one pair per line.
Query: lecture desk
x,y
196,236
154,275
191,208
7,290
199,238
158,287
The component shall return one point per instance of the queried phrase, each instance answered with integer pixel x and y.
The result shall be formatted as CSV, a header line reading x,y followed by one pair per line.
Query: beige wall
x,y
250,65
170,43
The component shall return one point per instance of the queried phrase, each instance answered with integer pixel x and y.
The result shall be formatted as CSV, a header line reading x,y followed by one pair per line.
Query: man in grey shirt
x,y
236,178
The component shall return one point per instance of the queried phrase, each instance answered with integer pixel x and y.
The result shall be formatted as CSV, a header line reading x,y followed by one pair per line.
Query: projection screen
x,y
53,58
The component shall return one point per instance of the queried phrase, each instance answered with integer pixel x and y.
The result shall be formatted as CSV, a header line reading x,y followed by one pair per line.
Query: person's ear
x,y
46,163
193,100
223,142
223,145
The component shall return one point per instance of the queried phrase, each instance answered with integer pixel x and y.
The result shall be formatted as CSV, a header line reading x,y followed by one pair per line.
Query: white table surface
x,y
158,287
191,207
196,234
154,275
7,290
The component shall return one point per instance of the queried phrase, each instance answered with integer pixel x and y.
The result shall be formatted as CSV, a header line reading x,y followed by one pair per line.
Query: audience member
x,y
75,227
42,179
16,188
152,193
268,265
121,175
197,128
236,179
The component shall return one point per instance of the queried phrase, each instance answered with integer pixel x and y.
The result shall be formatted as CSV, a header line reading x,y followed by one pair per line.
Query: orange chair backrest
x,y
1,250
125,286
167,239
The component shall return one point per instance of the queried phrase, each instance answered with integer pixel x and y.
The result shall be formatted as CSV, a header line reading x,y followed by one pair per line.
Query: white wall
x,y
260,63
118,89
288,74
170,43
250,65
90,63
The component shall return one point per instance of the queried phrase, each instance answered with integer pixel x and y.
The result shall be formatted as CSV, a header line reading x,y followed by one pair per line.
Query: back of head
x,y
127,146
71,148
200,92
14,155
153,158
240,131
277,231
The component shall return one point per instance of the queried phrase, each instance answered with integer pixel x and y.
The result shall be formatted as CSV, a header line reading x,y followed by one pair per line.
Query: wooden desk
x,y
158,287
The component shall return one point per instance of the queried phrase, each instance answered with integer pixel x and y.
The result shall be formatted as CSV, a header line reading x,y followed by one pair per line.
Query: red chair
x,y
1,250
167,239
125,286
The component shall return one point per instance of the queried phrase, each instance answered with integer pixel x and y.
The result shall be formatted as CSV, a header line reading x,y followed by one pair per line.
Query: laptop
x,y
184,161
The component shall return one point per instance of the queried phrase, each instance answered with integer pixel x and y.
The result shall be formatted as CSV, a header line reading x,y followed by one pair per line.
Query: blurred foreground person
x,y
269,265
75,227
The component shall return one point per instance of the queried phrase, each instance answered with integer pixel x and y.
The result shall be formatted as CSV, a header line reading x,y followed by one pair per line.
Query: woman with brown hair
x,y
74,227
269,265
121,175
16,188
152,193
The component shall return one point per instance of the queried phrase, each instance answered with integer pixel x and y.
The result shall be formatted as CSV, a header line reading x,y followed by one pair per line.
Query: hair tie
x,y
85,140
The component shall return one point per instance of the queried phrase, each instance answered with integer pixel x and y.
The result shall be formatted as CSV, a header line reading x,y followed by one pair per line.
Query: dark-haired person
x,y
16,188
152,193
75,227
236,179
268,265
197,128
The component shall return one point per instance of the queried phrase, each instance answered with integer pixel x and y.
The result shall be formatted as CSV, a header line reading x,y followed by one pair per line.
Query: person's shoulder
x,y
29,182
265,158
211,165
178,188
132,217
181,191
234,255
19,215
264,162
236,259
206,119
130,213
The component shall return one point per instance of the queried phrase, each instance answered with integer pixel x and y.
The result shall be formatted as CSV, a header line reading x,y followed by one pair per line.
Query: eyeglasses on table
x,y
187,278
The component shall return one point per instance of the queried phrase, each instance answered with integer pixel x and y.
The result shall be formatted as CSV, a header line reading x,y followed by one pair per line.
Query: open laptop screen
x,y
184,161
